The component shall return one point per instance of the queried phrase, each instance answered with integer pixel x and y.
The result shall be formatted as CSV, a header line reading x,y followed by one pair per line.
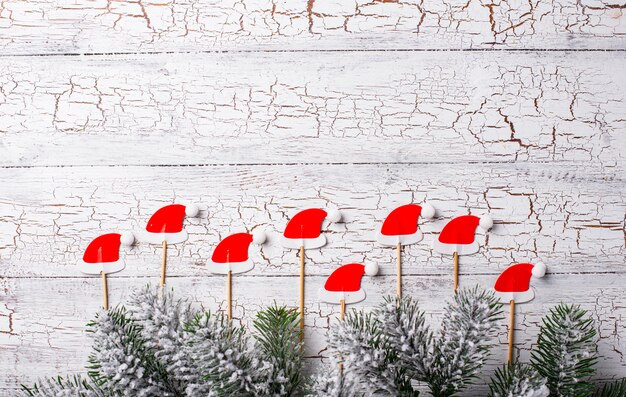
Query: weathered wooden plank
x,y
42,320
329,108
572,217
46,26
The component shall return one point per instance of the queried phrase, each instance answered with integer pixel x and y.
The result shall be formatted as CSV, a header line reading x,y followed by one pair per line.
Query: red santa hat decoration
x,y
231,256
166,227
102,257
401,228
343,286
457,238
304,231
513,286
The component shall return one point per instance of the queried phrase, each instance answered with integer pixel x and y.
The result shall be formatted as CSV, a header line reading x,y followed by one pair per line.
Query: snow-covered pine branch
x,y
163,319
566,351
518,380
368,359
224,359
121,361
65,387
463,342
278,341
404,326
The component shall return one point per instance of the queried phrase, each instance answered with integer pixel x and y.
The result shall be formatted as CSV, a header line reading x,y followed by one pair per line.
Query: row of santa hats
x,y
401,227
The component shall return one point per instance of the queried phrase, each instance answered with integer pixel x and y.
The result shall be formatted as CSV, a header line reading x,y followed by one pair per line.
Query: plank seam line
x,y
603,273
331,50
291,164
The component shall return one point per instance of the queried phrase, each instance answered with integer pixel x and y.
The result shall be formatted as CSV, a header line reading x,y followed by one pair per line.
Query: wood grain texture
x,y
337,108
570,216
254,109
91,26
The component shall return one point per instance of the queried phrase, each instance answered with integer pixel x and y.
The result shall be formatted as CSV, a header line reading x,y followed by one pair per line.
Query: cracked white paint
x,y
217,109
95,143
142,25
571,216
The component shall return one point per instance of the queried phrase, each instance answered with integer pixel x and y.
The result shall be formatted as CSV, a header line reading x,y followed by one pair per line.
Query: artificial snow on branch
x,y
65,387
385,351
518,380
566,351
161,346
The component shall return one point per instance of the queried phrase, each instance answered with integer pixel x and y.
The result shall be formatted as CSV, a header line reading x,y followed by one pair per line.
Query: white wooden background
x,y
257,108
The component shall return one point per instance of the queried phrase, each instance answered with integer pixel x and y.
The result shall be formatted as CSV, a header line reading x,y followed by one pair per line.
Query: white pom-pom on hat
x,y
127,239
334,215
428,211
259,237
192,210
485,222
539,269
371,269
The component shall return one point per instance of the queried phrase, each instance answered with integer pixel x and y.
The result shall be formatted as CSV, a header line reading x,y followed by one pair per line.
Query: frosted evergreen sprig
x,y
163,319
368,358
404,326
518,380
331,383
278,341
121,361
225,359
566,351
385,351
65,387
613,389
463,342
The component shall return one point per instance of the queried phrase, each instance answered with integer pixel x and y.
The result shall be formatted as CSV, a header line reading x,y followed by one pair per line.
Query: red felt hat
x,y
102,254
400,226
345,283
166,224
304,229
514,282
231,254
458,235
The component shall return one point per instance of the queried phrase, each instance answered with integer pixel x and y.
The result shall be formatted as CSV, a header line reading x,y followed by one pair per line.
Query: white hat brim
x,y
307,243
335,297
158,238
403,239
234,267
518,297
99,268
450,249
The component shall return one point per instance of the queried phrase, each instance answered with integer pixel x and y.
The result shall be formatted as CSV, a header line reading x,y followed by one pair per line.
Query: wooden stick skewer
x,y
342,314
301,293
399,269
456,271
511,330
229,292
163,263
105,291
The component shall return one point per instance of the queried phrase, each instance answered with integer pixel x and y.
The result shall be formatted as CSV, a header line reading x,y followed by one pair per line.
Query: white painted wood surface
x,y
80,26
256,109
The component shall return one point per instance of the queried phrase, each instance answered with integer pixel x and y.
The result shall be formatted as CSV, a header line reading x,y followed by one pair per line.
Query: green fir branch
x,y
120,358
566,351
463,343
74,386
404,325
278,339
224,359
613,389
517,380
